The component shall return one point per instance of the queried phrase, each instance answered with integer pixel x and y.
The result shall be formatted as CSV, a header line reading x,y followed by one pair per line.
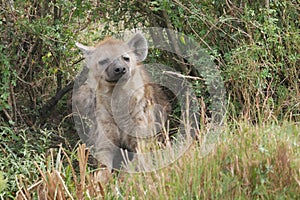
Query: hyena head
x,y
113,60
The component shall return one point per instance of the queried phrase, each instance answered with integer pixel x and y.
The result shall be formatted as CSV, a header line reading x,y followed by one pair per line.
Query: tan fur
x,y
124,112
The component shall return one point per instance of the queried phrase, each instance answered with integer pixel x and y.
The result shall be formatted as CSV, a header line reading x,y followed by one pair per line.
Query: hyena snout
x,y
120,70
116,71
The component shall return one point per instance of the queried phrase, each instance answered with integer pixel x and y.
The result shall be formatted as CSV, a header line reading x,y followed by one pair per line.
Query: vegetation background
x,y
255,44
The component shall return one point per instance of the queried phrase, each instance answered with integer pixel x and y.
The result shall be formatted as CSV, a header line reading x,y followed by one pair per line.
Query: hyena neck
x,y
136,81
123,95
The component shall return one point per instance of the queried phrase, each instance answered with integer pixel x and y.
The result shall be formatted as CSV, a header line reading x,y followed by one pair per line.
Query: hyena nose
x,y
120,70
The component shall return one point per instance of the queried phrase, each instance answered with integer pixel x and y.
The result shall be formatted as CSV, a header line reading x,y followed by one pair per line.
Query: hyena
x,y
118,98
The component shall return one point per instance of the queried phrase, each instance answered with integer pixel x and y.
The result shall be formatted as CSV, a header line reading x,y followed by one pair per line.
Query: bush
x,y
19,151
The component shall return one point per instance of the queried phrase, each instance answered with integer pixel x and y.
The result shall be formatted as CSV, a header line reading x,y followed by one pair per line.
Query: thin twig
x,y
182,76
14,104
7,114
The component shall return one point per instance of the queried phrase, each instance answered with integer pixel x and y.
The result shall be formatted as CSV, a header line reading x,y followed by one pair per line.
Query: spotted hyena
x,y
117,103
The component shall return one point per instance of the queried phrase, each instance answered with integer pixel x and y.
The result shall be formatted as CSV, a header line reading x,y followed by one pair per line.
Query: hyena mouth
x,y
117,79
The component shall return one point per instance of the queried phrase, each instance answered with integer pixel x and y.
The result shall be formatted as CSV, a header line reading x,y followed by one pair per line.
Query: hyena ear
x,y
139,45
86,50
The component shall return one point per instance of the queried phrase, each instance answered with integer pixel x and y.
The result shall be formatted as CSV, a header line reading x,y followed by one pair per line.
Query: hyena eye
x,y
103,62
126,58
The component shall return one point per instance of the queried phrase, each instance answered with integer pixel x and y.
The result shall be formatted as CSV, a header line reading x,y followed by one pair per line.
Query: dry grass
x,y
60,182
248,163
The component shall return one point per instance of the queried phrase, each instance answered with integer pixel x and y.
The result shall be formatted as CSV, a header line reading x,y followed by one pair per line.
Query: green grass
x,y
2,182
249,162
